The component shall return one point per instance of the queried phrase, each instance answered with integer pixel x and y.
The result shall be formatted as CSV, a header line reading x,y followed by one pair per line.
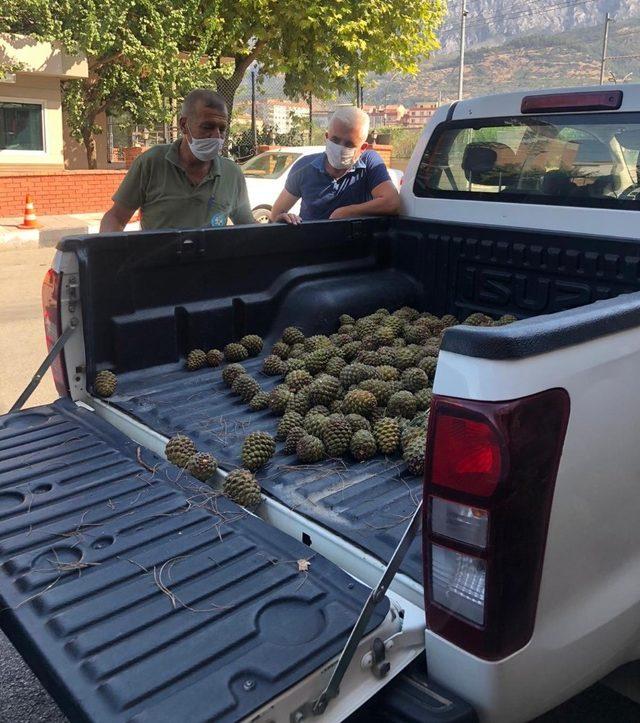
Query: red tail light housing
x,y
590,100
489,482
51,307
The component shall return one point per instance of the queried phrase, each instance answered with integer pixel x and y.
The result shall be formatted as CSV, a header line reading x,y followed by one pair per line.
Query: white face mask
x,y
340,156
205,149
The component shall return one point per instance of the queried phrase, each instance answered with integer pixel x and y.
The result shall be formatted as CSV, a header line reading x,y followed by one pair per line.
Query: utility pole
x,y
605,41
254,130
358,93
463,28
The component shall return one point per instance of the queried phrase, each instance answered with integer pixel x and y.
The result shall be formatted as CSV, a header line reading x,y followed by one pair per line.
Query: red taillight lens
x,y
489,480
467,455
567,102
51,293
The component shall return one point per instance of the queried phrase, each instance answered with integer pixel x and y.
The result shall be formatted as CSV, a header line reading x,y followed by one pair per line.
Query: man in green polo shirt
x,y
186,184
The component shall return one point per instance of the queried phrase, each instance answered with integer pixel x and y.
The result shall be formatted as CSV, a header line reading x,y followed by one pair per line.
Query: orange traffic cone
x,y
30,220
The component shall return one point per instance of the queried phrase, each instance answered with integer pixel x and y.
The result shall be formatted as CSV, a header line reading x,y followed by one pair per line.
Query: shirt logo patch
x,y
219,219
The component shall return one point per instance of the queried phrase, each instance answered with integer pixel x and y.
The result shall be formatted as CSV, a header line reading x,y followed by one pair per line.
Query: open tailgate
x,y
136,593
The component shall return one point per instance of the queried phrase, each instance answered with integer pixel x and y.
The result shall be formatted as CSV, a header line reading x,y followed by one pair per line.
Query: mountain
x,y
555,55
494,21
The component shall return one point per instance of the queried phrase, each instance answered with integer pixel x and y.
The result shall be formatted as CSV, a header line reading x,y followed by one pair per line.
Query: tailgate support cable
x,y
376,595
44,367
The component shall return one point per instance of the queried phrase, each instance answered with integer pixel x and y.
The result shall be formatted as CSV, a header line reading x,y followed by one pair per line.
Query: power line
x,y
518,4
491,20
511,14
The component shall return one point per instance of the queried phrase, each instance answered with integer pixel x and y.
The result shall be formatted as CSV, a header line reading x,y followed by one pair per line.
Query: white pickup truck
x,y
137,594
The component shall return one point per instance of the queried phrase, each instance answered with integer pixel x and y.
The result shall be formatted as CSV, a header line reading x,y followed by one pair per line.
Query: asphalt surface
x,y
22,344
22,349
22,698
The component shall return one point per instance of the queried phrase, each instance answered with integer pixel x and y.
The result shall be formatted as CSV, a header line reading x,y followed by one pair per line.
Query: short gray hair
x,y
208,98
352,117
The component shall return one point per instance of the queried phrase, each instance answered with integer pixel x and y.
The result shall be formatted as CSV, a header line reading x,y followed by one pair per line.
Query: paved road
x,y
22,345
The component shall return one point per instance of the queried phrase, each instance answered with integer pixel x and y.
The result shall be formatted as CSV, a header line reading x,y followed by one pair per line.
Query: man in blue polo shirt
x,y
344,181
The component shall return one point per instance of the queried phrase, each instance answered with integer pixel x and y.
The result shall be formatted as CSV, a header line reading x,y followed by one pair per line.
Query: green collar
x,y
173,156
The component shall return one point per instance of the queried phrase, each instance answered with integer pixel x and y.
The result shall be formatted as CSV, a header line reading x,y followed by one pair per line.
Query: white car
x,y
267,173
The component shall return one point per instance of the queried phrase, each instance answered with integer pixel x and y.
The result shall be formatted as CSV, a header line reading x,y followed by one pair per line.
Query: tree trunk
x,y
227,87
90,147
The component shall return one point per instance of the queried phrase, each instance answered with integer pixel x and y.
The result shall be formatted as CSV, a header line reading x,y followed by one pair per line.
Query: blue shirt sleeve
x,y
293,184
377,172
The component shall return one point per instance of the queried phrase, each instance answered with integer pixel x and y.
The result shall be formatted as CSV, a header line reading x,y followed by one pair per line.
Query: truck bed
x,y
149,298
135,593
368,503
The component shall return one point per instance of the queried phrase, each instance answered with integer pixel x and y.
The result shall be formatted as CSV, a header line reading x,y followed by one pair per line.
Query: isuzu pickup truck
x,y
136,593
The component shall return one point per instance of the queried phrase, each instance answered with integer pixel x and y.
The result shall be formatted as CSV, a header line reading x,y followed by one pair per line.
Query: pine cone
x,y
105,383
257,450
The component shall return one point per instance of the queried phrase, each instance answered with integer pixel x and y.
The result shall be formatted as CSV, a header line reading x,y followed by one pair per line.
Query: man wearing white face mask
x,y
343,182
186,184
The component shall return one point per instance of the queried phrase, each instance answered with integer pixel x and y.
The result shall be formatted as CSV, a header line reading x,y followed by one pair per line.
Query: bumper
x,y
412,698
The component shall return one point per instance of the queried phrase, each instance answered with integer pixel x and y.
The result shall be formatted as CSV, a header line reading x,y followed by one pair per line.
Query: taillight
x,y
489,481
570,102
51,307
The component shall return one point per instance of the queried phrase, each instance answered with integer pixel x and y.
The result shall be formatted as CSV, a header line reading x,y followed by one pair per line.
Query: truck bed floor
x,y
367,503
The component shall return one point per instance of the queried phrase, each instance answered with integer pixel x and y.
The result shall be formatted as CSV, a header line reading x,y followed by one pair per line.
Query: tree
x,y
323,47
140,54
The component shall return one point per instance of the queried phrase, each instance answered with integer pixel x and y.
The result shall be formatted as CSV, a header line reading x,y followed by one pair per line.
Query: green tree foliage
x,y
140,54
322,47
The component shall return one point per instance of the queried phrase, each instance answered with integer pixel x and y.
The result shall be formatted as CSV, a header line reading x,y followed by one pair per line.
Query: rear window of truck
x,y
570,159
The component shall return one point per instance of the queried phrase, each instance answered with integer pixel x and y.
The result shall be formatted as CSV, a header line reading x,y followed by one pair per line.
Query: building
x,y
418,114
320,113
32,132
280,115
386,115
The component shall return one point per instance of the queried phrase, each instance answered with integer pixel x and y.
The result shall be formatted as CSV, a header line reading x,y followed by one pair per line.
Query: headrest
x,y
489,163
557,183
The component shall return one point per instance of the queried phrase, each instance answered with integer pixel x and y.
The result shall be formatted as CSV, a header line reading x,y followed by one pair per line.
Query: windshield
x,y
569,159
269,165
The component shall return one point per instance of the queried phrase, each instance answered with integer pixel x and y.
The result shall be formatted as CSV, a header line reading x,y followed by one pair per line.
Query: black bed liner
x,y
133,595
149,298
368,503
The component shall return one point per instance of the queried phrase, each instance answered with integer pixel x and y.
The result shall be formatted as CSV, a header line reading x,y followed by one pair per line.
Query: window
x,y
269,165
569,159
21,126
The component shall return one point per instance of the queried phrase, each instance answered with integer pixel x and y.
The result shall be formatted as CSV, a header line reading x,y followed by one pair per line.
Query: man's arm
x,y
280,210
385,202
129,196
116,218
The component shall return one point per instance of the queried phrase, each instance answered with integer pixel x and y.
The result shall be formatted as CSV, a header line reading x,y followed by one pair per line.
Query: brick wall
x,y
59,192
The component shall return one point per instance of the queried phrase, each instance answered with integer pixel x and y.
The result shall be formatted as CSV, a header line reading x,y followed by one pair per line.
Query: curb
x,y
48,237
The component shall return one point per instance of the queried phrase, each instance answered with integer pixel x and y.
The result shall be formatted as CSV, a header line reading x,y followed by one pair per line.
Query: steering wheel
x,y
630,192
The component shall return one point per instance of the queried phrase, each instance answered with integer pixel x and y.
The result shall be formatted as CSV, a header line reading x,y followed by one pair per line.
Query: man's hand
x,y
342,212
281,208
290,218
